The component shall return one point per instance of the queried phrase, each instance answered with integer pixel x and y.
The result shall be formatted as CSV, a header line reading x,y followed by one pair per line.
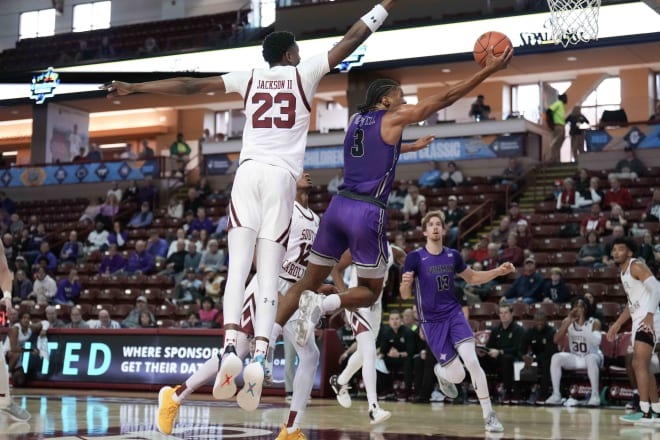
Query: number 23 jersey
x,y
278,108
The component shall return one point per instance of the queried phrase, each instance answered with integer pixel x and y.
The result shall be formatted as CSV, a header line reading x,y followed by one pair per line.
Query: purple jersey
x,y
369,162
433,285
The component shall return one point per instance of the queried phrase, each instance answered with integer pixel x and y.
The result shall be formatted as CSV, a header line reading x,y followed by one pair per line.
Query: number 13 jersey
x,y
278,108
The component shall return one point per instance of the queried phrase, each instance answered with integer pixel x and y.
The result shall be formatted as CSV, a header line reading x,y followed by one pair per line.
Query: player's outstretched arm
x,y
409,114
359,32
419,144
171,86
483,276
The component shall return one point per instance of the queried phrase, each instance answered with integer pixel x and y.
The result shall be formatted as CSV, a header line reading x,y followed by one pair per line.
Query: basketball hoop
x,y
574,21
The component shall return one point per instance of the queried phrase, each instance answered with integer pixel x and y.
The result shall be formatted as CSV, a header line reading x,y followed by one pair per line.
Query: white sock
x,y
231,336
331,303
655,406
204,373
644,406
260,347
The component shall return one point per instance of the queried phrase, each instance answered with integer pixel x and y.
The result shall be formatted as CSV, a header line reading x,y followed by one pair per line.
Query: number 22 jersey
x,y
278,108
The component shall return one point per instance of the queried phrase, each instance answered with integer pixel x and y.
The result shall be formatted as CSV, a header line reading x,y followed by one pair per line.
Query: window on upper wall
x,y
90,16
267,12
525,101
37,24
607,96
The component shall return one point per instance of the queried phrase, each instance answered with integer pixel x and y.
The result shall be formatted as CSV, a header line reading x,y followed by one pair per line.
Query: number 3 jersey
x,y
433,285
579,337
277,108
304,224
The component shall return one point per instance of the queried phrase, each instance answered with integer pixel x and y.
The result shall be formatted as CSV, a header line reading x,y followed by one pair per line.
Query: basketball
x,y
494,39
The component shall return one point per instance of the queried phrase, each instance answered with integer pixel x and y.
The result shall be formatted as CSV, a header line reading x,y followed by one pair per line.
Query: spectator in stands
x,y
147,152
84,52
397,348
593,222
214,282
617,232
655,117
23,244
175,208
21,287
150,47
139,262
147,320
578,123
193,201
566,199
192,258
593,194
208,313
76,321
336,181
105,49
527,287
221,228
80,157
617,194
479,110
512,252
36,239
180,235
502,350
584,337
538,346
514,213
509,175
400,242
204,188
616,218
414,204
148,193
652,213
453,215
201,222
192,321
582,180
555,289
117,235
91,211
397,196
452,177
104,321
130,194
557,121
142,219
481,250
432,177
647,253
591,253
157,246
68,289
51,321
175,263
45,258
189,289
492,258
128,153
630,167
212,258
180,154
12,250
500,234
71,249
112,262
7,204
475,294
524,234
93,153
44,288
97,240
116,191
16,225
132,320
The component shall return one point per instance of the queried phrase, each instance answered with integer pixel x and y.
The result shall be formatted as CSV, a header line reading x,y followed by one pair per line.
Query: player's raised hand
x,y
407,278
117,88
499,62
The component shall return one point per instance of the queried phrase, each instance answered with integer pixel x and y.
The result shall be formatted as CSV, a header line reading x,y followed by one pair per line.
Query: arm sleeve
x,y
652,286
236,82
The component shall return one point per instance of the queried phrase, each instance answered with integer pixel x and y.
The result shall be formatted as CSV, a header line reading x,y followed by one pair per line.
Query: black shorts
x,y
646,337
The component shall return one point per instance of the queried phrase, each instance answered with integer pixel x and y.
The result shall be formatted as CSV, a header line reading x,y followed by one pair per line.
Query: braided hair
x,y
375,93
276,44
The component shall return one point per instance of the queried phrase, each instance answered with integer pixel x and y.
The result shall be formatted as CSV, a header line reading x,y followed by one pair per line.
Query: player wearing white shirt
x,y
584,337
277,103
365,323
643,294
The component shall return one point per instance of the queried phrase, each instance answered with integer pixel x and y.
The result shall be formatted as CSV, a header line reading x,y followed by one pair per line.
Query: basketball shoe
x,y
224,386
341,391
17,412
253,376
493,424
553,400
378,415
310,313
295,435
447,388
167,410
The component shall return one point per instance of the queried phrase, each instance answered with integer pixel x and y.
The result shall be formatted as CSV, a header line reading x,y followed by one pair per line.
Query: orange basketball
x,y
497,40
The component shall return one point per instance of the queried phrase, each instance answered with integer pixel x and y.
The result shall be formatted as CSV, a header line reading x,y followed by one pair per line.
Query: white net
x,y
574,21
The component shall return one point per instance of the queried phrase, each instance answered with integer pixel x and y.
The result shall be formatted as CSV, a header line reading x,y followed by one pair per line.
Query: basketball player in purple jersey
x,y
429,273
356,218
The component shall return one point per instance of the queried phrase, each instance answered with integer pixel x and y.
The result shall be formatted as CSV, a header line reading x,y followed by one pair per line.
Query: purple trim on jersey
x,y
433,284
302,91
369,162
247,90
355,225
444,337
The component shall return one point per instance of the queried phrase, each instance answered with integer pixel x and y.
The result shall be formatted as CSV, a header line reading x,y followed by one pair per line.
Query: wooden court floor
x,y
76,415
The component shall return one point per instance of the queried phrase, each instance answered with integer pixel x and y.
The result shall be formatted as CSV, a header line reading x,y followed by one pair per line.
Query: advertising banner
x,y
618,138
